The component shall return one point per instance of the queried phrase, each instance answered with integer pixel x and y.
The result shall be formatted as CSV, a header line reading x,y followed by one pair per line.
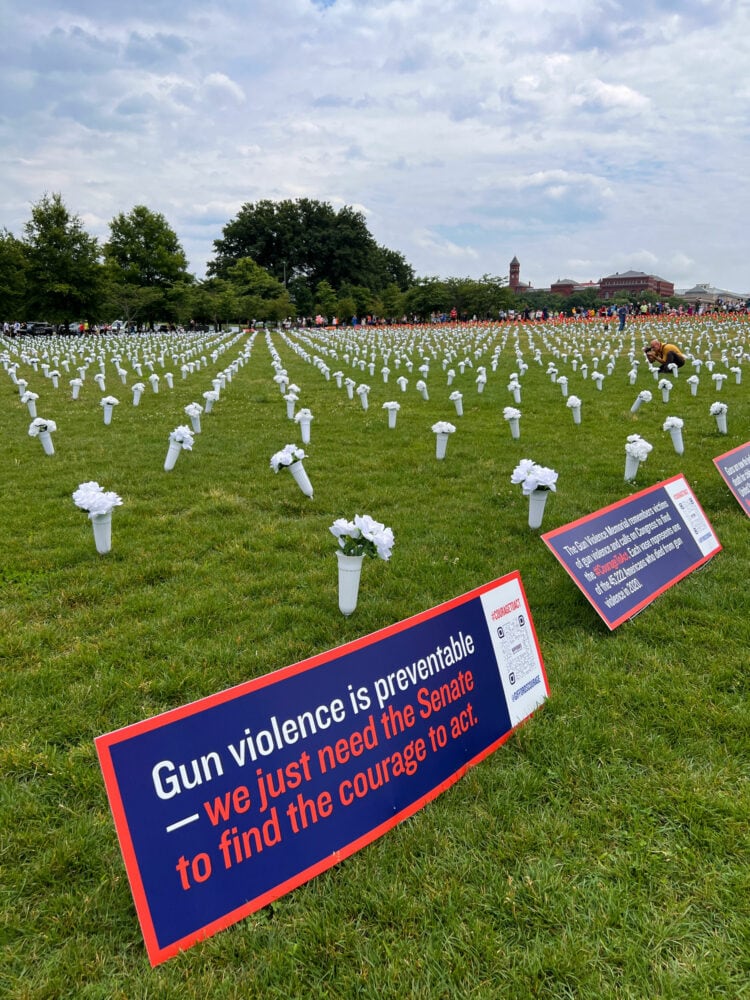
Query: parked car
x,y
37,327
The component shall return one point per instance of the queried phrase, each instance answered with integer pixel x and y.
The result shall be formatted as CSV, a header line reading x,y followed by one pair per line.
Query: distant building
x,y
514,277
631,283
707,295
567,287
634,283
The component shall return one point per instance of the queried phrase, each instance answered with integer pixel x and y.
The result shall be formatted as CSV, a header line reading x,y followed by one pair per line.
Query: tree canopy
x,y
63,275
309,240
143,249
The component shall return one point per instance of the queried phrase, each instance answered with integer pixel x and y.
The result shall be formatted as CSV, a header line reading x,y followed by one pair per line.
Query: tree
x,y
13,269
326,302
309,240
144,250
261,295
143,253
64,273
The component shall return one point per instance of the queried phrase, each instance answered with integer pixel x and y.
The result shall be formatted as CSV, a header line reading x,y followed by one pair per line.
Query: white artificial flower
x,y
443,427
92,498
511,413
288,454
637,447
182,435
39,425
672,423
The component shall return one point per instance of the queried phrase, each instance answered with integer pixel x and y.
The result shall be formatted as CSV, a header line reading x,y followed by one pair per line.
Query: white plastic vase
x,y
515,428
631,467
209,405
459,404
196,422
169,379
537,501
301,478
75,389
665,395
290,408
338,380
693,388
363,400
480,386
676,435
350,571
425,394
137,393
31,403
54,381
636,405
350,391
172,454
46,438
633,376
441,443
392,414
721,422
102,525
517,394
108,407
304,427
576,411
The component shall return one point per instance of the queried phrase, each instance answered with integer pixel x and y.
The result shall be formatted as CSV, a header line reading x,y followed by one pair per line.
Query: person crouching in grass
x,y
664,355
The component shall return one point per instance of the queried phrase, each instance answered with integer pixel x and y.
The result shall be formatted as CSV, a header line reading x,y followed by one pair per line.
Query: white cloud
x,y
606,134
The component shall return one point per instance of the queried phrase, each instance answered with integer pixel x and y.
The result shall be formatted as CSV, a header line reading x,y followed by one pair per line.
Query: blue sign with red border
x,y
623,556
734,468
223,805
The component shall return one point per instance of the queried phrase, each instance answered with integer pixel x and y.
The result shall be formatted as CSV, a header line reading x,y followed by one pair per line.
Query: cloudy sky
x,y
584,136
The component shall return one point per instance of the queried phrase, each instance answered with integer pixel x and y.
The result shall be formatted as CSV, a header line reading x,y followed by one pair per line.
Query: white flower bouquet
x,y
637,447
40,425
534,477
443,427
93,499
289,454
98,504
719,410
363,537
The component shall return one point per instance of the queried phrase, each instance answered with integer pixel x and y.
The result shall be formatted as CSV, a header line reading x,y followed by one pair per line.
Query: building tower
x,y
514,280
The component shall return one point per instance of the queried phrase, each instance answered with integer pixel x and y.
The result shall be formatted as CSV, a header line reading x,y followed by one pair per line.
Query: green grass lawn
x,y
604,852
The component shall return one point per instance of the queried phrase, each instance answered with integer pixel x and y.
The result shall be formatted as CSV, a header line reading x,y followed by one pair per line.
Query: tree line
x,y
274,260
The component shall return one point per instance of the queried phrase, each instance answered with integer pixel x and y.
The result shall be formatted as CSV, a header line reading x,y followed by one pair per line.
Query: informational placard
x,y
225,804
734,468
625,555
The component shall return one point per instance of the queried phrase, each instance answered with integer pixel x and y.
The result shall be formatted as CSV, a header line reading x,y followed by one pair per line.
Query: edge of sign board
x,y
158,954
613,624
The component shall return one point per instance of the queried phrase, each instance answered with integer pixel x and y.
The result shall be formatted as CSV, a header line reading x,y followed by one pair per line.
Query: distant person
x,y
664,355
622,312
